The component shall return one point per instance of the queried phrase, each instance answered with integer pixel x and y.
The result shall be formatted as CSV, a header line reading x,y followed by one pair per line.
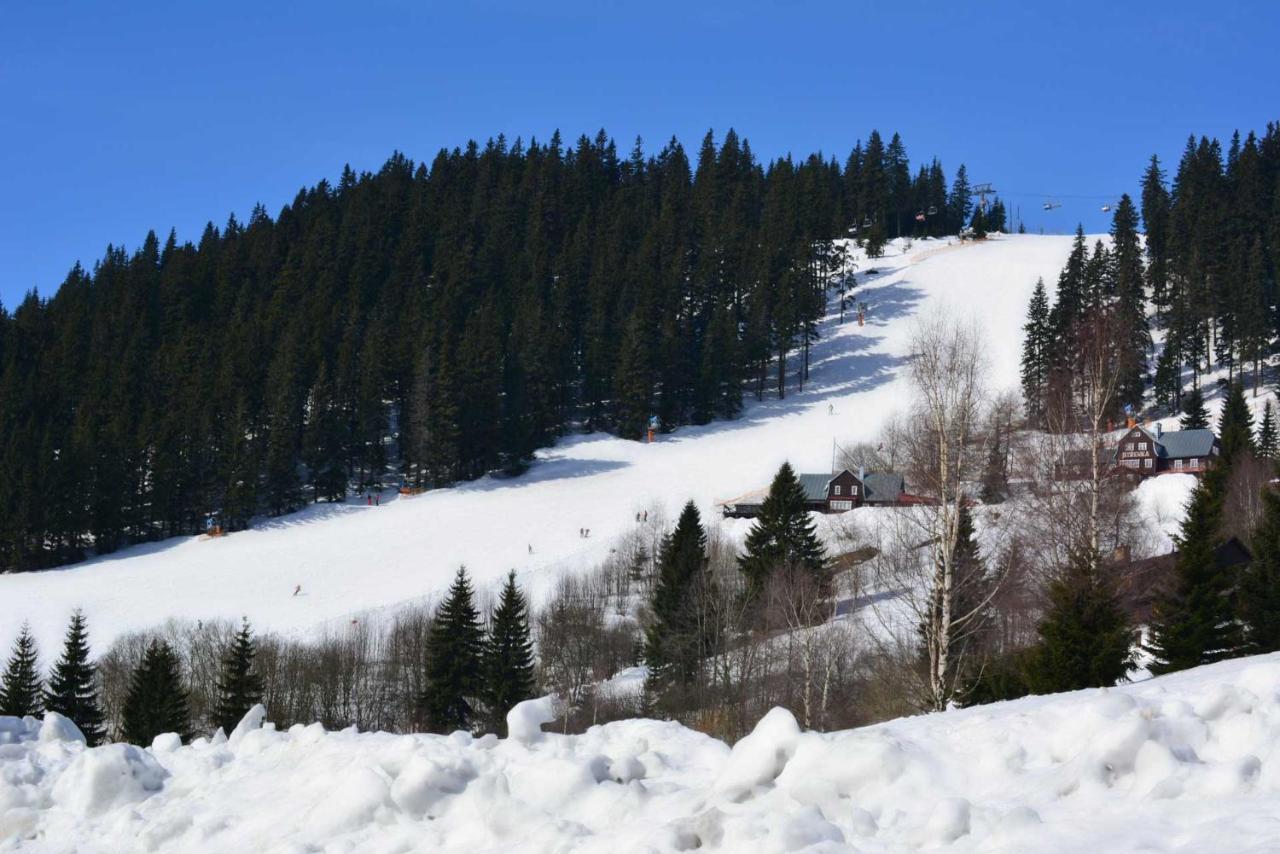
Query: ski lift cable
x,y
1104,196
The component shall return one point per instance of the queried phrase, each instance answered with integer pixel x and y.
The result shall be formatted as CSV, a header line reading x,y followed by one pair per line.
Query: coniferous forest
x,y
1208,267
425,324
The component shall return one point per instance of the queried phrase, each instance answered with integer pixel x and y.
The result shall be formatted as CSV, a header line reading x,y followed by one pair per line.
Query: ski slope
x,y
352,559
1182,763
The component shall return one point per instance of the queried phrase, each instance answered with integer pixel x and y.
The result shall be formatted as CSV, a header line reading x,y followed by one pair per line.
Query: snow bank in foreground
x,y
1188,762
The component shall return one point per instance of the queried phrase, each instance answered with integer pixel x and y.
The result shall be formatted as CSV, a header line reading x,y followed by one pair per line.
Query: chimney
x,y
862,473
1159,429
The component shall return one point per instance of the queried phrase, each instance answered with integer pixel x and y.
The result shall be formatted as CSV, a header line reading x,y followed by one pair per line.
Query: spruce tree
x,y
508,657
72,690
157,700
1268,443
1035,354
21,688
1193,622
969,588
1194,414
676,642
1235,426
454,648
1085,638
1128,288
239,686
1259,597
784,536
1155,219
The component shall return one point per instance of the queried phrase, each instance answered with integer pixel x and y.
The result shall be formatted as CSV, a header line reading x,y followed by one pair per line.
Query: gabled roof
x,y
1186,443
815,486
1180,443
876,486
883,486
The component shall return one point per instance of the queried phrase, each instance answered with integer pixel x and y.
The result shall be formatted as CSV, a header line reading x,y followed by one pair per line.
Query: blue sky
x,y
119,118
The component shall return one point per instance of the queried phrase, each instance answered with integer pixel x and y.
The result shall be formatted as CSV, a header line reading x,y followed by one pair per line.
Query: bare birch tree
x,y
944,446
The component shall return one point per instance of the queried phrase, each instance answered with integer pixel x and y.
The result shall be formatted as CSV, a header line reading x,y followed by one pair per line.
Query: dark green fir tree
x,y
157,699
676,642
1085,638
508,657
73,691
783,536
1194,415
1235,427
454,649
239,686
21,689
1268,443
1036,346
1194,623
1259,596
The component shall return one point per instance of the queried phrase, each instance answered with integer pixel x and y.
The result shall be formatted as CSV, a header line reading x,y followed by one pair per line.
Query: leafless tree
x,y
943,443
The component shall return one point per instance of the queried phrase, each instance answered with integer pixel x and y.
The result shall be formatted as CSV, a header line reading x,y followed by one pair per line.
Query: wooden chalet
x,y
1142,453
832,493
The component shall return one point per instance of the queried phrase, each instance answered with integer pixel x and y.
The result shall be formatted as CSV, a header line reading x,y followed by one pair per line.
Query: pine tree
x,y
960,202
454,647
72,690
784,536
676,642
1194,622
1127,285
21,688
1268,443
1035,354
239,686
1260,584
157,700
1235,426
1155,218
1085,638
508,657
1194,414
1167,383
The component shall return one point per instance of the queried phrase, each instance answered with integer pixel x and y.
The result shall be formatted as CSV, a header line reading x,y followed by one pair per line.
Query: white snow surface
x,y
1189,762
353,560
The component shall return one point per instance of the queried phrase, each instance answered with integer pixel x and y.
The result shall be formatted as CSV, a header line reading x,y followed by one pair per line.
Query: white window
x,y
1195,464
1133,464
853,490
1146,463
1177,464
1142,446
835,490
841,505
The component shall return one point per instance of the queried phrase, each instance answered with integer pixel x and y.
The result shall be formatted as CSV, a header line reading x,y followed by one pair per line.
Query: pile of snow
x,y
353,559
1189,762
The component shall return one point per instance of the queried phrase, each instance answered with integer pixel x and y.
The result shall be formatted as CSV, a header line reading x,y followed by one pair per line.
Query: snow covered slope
x,y
353,558
1189,762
